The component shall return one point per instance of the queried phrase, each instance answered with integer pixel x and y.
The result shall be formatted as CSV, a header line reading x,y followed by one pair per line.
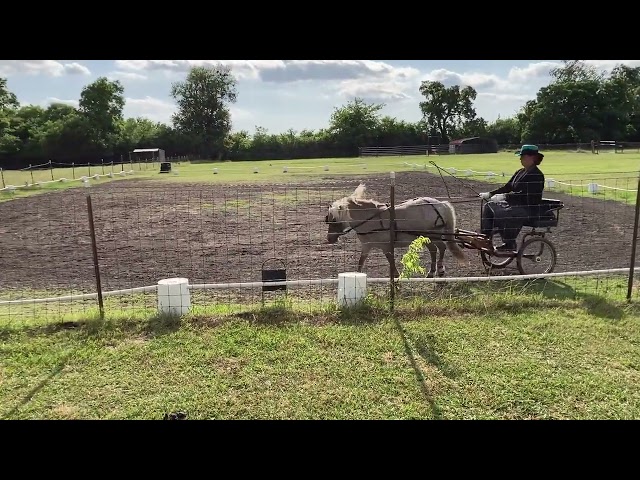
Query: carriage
x,y
532,247
375,223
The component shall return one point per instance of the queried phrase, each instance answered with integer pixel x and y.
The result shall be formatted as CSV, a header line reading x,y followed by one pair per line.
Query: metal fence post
x,y
392,235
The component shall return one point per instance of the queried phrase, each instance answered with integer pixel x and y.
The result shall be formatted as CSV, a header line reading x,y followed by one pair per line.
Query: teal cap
x,y
528,148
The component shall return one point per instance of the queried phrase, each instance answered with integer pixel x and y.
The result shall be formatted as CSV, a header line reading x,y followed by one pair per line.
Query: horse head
x,y
338,217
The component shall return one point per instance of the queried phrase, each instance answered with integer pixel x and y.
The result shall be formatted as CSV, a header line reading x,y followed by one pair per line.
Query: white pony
x,y
370,219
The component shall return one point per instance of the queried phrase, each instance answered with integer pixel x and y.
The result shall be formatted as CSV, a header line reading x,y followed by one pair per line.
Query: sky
x,y
291,94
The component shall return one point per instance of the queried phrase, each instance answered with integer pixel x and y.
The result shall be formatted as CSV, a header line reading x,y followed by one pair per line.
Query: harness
x,y
395,225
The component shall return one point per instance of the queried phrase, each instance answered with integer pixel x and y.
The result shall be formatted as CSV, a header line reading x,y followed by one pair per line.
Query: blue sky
x,y
297,94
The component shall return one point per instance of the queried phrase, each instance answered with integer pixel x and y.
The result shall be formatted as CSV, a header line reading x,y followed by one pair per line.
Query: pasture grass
x,y
500,356
617,174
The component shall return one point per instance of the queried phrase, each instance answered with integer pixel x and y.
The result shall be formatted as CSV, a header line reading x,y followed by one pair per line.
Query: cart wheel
x,y
492,261
536,255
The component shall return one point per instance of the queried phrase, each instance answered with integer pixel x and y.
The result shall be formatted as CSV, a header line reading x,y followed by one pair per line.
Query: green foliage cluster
x,y
579,105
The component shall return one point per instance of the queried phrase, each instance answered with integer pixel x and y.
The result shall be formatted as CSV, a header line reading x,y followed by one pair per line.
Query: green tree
x,y
574,107
102,103
355,124
446,110
7,98
505,131
202,106
9,142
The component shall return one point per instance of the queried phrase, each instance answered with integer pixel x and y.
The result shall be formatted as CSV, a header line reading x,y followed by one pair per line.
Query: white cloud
x,y
531,71
76,69
241,68
51,68
152,108
296,70
374,91
49,100
283,71
117,75
475,80
159,110
506,96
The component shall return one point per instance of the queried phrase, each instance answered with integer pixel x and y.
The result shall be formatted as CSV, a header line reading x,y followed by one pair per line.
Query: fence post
x,y
2,175
102,161
94,247
31,172
392,235
634,242
51,169
73,170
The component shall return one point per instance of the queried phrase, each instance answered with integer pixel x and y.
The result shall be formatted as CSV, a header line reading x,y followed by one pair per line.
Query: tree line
x,y
580,104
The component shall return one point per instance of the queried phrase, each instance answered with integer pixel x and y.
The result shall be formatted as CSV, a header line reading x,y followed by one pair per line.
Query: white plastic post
x,y
255,170
352,288
551,183
173,296
285,169
326,168
215,171
592,188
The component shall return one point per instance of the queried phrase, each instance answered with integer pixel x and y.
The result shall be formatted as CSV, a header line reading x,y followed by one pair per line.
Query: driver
x,y
516,201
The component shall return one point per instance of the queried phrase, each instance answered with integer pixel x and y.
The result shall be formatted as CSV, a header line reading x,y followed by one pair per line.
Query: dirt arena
x,y
147,231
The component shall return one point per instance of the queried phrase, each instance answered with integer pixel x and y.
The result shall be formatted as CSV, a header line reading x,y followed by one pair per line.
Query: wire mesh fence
x,y
225,240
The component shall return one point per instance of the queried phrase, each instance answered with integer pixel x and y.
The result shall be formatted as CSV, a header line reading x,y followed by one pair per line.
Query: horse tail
x,y
449,215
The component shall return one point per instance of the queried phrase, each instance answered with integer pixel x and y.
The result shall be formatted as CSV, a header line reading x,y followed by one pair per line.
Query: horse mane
x,y
340,208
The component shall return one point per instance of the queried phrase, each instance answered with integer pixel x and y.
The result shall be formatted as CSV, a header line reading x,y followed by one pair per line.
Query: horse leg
x,y
432,251
442,247
392,262
363,257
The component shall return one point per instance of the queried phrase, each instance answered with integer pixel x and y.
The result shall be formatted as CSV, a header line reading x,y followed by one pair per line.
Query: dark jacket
x,y
524,189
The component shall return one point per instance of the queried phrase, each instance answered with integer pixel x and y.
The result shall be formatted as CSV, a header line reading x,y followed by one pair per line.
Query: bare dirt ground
x,y
147,231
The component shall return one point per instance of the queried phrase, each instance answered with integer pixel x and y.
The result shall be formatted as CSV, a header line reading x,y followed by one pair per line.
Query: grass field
x,y
616,170
533,356
523,354
557,164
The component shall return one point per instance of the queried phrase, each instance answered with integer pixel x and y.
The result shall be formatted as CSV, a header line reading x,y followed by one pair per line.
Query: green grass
x,y
528,350
530,356
559,165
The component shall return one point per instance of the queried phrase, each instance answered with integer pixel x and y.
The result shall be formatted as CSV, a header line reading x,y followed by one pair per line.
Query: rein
x,y
464,184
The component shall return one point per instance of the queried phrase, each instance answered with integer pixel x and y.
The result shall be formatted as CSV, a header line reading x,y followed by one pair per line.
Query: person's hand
x,y
485,195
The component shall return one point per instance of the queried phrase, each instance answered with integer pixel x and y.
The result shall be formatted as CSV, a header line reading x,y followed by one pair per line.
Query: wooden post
x,y
634,242
94,247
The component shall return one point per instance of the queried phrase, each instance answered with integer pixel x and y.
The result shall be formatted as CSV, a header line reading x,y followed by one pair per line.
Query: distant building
x,y
473,145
